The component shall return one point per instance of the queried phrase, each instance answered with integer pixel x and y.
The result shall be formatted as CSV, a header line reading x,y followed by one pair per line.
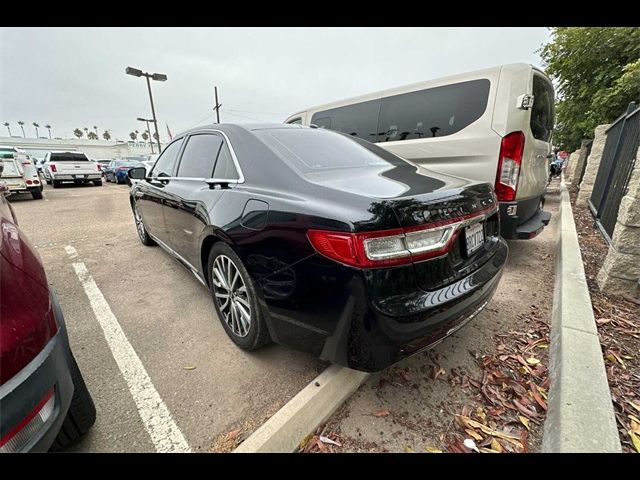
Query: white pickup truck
x,y
74,167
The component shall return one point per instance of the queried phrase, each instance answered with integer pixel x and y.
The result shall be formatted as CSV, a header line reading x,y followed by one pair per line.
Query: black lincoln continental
x,y
322,241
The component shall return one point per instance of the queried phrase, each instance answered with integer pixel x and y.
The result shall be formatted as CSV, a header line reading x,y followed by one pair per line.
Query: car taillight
x,y
123,168
53,168
29,182
386,248
509,163
99,166
21,434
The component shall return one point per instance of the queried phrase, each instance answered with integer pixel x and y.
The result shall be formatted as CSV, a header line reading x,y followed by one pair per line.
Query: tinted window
x,y
167,161
358,120
199,156
434,112
310,150
295,121
68,157
225,169
542,113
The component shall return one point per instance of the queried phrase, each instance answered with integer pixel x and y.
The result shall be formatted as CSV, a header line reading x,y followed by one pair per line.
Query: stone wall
x,y
572,166
593,164
620,273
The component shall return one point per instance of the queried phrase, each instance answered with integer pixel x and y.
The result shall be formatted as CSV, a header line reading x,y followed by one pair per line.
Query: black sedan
x,y
322,241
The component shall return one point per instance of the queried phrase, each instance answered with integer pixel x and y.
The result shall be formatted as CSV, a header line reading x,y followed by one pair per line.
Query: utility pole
x,y
218,105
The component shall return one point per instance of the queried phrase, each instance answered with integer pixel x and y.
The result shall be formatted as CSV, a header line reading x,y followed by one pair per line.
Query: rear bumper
x,y
19,395
367,337
523,219
77,177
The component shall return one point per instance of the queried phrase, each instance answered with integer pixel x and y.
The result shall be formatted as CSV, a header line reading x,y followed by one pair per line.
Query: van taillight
x,y
509,164
53,168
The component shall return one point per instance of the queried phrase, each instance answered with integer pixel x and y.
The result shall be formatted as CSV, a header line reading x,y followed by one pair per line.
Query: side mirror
x,y
4,189
137,173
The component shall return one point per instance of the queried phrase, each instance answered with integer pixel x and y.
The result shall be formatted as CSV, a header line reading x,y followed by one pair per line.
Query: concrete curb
x,y
283,432
580,416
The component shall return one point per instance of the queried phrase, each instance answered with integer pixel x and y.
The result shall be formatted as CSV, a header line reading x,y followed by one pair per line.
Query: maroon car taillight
x,y
509,164
19,436
99,167
53,168
385,248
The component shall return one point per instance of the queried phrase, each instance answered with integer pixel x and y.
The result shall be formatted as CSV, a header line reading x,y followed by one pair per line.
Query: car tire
x,y
257,334
97,183
56,183
142,230
41,188
48,182
36,193
81,414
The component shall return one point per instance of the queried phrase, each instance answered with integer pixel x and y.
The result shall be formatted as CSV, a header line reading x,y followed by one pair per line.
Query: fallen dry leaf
x,y
381,413
432,449
524,421
533,361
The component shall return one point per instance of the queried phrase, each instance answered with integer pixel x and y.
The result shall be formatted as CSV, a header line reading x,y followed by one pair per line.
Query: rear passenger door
x,y
190,198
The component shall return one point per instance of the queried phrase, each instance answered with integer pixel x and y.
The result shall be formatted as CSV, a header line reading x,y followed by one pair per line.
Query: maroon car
x,y
44,401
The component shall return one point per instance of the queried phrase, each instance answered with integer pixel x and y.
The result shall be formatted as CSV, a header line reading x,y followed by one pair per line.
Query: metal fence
x,y
618,158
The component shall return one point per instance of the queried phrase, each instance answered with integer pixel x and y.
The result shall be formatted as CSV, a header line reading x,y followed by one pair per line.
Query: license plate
x,y
475,237
79,177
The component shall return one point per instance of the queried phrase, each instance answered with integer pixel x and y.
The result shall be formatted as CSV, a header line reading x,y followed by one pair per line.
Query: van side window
x,y
543,112
434,112
358,120
295,121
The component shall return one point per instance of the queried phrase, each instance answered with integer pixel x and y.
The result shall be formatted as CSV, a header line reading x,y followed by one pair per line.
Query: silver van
x,y
491,125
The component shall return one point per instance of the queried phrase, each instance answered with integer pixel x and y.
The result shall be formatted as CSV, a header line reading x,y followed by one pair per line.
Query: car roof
x,y
234,127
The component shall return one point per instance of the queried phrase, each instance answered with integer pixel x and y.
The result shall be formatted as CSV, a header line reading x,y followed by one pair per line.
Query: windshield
x,y
68,157
10,168
129,163
312,150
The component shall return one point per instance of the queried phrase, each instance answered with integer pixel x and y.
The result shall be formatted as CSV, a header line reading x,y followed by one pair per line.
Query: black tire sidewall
x,y
258,334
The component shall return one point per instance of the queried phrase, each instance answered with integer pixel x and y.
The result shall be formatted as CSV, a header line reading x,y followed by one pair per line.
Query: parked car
x,y
117,170
20,173
104,163
492,125
322,241
43,398
150,160
73,167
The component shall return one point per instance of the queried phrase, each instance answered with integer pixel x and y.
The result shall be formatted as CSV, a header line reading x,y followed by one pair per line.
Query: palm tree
x,y
145,136
96,129
92,136
86,130
6,124
106,135
21,123
78,133
48,127
134,135
35,125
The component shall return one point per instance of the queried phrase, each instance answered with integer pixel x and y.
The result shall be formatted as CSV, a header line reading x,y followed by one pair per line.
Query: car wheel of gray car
x,y
142,231
81,414
235,299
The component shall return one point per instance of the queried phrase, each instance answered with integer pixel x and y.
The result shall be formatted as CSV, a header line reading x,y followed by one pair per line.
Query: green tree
x,y
48,127
596,71
36,126
78,133
92,136
21,123
8,125
106,135
134,135
145,136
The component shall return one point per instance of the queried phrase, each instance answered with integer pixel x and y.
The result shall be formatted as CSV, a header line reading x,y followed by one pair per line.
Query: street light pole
x,y
160,77
148,131
153,112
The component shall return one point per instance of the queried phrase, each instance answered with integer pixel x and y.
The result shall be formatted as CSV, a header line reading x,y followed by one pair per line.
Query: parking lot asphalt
x,y
208,385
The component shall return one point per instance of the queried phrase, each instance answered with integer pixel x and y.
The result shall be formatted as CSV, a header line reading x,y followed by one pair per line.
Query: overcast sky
x,y
72,77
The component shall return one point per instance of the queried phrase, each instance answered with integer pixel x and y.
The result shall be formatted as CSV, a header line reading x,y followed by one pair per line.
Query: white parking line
x,y
164,433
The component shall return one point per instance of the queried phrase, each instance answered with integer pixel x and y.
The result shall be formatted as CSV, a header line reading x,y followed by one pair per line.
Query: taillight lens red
x,y
385,248
99,166
53,168
123,168
22,433
509,164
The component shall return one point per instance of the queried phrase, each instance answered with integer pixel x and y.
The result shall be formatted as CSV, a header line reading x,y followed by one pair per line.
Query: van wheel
x,y
81,414
235,299
36,193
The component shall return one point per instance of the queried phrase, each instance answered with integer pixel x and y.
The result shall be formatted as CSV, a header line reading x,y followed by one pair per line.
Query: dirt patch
x,y
618,322
486,383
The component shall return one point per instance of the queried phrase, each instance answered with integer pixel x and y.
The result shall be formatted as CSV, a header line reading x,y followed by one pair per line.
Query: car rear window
x,y
68,157
10,169
542,113
311,150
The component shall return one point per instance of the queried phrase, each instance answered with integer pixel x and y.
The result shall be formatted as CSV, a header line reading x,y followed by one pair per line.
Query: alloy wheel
x,y
139,222
231,295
